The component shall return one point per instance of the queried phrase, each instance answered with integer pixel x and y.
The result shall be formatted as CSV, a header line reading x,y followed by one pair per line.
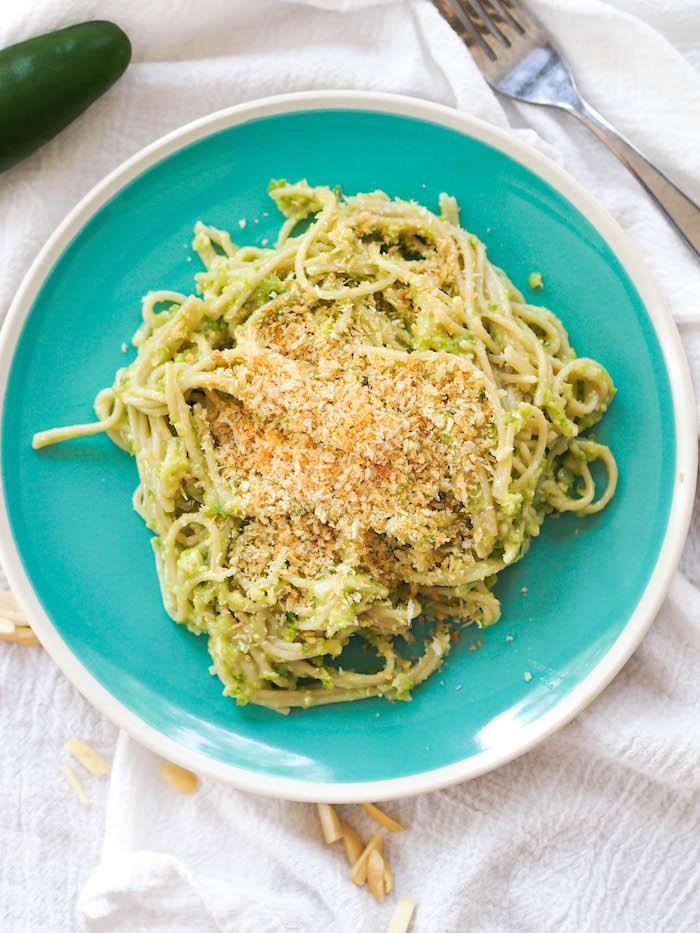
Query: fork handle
x,y
679,209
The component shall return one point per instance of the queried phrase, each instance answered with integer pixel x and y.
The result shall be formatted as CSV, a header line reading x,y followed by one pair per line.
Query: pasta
x,y
344,435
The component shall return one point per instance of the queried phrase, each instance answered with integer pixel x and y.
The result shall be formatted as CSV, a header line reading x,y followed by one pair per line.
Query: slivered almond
x,y
13,624
88,757
180,779
402,916
354,847
22,635
331,826
358,872
75,783
388,878
375,875
382,818
9,607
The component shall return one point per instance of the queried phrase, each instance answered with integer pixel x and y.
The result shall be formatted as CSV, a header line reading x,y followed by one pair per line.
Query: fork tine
x,y
463,23
504,18
508,15
489,19
520,18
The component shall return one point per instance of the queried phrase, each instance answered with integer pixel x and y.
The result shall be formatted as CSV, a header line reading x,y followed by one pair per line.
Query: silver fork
x,y
518,58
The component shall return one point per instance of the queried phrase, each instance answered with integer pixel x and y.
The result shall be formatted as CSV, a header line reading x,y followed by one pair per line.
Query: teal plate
x,y
80,559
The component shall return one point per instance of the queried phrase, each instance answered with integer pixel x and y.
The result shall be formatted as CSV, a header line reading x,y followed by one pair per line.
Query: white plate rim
x,y
684,481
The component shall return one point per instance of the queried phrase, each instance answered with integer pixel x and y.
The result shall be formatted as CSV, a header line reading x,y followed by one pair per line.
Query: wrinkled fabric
x,y
595,830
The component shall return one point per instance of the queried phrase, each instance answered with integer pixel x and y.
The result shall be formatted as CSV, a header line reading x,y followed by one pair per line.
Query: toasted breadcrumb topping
x,y
332,445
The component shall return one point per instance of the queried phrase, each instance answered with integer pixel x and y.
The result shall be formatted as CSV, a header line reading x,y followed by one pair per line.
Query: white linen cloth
x,y
596,830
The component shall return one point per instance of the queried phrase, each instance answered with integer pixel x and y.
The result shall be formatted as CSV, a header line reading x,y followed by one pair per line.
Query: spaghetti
x,y
343,434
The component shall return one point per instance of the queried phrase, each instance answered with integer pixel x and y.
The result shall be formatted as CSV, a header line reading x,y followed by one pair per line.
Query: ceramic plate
x,y
79,557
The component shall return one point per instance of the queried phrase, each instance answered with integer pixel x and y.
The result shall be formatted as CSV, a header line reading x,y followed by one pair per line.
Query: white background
x,y
599,828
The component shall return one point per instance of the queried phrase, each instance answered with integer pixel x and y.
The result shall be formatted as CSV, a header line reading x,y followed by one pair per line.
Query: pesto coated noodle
x,y
355,429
